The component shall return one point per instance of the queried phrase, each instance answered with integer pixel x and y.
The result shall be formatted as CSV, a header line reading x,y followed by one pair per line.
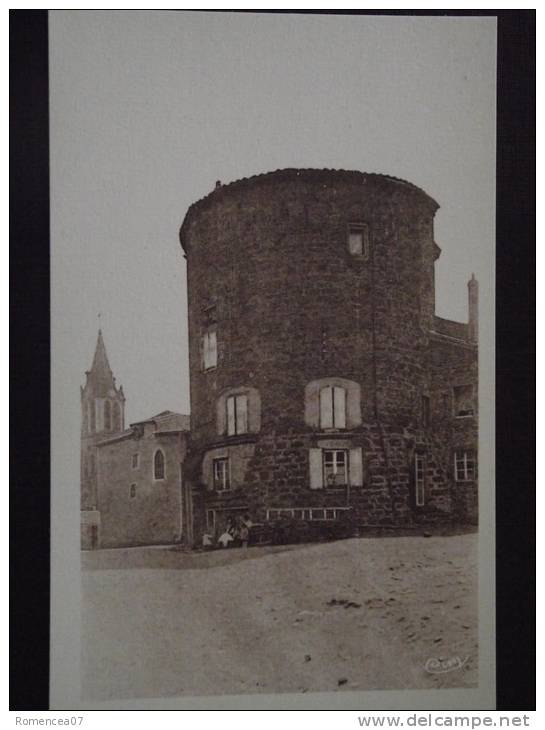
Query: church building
x,y
130,477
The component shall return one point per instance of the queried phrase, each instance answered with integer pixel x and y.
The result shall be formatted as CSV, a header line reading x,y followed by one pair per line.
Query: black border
x,y
515,371
29,361
30,368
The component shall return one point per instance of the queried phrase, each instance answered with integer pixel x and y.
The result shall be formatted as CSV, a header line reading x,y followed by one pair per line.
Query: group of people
x,y
236,532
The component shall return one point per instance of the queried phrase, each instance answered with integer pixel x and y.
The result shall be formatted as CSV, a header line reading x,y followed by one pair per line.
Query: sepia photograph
x,y
272,318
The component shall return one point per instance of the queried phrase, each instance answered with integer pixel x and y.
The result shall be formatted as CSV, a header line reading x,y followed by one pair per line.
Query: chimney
x,y
218,184
473,300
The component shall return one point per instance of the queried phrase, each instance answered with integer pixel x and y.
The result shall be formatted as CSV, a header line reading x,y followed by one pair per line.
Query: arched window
x,y
107,416
117,417
333,403
159,465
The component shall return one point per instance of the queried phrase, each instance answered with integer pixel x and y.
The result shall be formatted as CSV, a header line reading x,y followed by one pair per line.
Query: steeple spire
x,y
100,376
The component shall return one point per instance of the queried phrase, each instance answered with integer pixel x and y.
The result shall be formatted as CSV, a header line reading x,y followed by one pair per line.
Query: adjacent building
x,y
130,477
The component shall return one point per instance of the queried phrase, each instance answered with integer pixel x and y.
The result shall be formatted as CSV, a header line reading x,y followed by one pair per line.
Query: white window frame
x,y
225,477
156,478
338,396
464,466
237,415
420,479
135,461
335,453
210,350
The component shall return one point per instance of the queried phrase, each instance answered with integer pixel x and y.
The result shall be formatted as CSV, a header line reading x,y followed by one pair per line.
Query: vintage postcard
x,y
272,254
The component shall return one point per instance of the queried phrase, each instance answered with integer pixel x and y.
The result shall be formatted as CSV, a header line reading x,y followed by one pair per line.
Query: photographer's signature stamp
x,y
442,666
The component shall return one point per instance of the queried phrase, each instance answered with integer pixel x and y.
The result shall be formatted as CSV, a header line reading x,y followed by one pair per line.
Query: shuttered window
x,y
237,414
210,350
332,407
335,467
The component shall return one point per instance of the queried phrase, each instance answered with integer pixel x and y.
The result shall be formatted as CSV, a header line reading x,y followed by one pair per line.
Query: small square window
x,y
358,240
463,401
464,466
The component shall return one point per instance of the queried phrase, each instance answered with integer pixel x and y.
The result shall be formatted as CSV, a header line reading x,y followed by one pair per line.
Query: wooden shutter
x,y
356,467
339,400
242,413
326,407
231,424
212,349
315,468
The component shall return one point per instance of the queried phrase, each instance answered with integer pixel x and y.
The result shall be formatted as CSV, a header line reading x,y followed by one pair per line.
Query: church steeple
x,y
102,416
100,377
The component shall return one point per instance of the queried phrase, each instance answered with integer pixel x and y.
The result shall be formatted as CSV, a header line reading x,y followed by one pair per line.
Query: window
x,y
107,416
333,407
210,315
419,479
135,462
464,466
210,350
237,414
425,410
221,474
210,520
463,401
116,417
358,240
159,465
132,491
335,467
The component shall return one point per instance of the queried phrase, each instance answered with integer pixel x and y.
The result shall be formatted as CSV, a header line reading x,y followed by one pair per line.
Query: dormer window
x,y
358,240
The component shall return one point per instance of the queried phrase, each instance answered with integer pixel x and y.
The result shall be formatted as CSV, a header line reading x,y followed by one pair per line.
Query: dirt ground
x,y
367,613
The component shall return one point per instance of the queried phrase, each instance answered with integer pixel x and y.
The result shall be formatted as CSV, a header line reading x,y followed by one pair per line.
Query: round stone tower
x,y
311,300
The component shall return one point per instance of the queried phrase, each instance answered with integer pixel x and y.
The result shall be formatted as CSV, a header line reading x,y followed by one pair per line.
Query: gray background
x,y
149,109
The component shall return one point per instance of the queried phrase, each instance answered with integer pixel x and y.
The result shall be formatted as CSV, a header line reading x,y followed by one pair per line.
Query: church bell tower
x,y
102,415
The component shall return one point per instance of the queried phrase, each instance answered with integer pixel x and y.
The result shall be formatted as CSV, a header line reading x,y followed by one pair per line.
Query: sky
x,y
150,108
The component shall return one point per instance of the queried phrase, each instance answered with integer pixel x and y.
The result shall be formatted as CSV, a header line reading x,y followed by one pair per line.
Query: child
x,y
244,535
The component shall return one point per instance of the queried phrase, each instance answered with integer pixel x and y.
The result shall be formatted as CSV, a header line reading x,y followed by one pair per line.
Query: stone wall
x,y
152,512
